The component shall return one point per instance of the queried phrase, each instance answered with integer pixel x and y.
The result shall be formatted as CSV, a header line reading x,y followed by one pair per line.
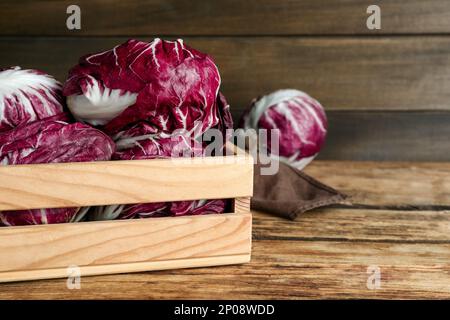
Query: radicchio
x,y
142,141
166,83
26,96
300,118
42,216
51,140
159,209
155,100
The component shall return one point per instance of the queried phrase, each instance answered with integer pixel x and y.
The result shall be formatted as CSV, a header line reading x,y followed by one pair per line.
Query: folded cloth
x,y
290,192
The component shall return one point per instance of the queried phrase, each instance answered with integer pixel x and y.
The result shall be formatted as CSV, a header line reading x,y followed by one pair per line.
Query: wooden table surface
x,y
399,222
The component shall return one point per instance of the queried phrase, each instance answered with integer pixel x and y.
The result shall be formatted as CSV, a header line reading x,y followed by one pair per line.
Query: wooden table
x,y
399,222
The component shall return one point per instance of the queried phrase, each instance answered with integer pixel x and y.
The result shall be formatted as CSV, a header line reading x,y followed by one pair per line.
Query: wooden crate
x,y
119,246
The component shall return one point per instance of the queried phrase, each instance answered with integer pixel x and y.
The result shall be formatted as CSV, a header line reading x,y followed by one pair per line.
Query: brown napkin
x,y
290,192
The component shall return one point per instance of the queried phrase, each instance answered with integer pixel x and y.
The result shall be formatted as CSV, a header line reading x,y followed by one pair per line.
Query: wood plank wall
x,y
386,92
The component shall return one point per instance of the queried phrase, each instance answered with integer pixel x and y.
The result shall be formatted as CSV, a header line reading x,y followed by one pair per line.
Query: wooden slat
x,y
42,274
396,184
124,246
388,136
279,269
217,17
392,73
362,225
122,182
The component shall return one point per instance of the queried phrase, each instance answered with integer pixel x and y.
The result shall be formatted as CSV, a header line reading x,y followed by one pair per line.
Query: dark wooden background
x,y
386,92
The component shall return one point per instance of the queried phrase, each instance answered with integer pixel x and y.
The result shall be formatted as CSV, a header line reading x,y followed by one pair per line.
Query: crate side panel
x,y
119,242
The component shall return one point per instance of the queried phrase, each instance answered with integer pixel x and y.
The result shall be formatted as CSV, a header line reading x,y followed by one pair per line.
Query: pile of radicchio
x,y
142,95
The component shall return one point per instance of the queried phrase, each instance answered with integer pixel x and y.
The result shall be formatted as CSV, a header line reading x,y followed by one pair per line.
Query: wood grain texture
x,y
55,273
279,270
323,254
242,204
387,136
217,17
400,185
379,73
124,246
357,225
121,182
